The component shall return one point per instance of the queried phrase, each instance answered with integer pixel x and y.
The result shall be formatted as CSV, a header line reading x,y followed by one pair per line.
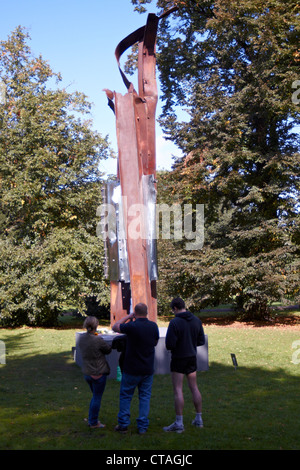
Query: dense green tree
x,y
232,66
49,190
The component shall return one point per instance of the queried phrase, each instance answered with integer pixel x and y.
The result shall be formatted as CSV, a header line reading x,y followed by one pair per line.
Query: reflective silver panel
x,y
116,255
149,195
116,266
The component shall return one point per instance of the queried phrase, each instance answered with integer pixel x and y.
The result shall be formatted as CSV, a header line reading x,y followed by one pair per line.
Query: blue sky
x,y
78,39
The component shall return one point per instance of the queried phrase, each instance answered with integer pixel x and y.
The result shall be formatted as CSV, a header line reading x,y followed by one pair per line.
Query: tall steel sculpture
x,y
131,260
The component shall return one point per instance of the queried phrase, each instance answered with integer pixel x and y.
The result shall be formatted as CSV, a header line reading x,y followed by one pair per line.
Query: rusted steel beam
x,y
135,124
117,308
130,168
146,108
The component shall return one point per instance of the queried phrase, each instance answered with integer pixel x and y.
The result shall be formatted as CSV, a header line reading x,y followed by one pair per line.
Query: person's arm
x,y
201,337
116,326
171,338
104,347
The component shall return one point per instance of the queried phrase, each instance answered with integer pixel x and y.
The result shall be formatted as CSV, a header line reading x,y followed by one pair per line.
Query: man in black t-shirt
x,y
138,366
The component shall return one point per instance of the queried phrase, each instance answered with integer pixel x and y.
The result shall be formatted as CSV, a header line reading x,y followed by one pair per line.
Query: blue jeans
x,y
128,386
97,387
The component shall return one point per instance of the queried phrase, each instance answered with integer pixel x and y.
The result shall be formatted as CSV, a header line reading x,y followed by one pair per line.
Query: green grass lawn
x,y
44,398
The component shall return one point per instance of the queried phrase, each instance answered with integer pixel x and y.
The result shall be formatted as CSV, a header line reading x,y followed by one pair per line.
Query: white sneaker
x,y
198,423
174,428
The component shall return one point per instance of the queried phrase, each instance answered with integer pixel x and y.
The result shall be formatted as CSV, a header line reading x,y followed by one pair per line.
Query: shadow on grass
x,y
44,401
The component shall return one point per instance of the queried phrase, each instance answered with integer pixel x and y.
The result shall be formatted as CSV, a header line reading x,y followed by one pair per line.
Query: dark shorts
x,y
184,365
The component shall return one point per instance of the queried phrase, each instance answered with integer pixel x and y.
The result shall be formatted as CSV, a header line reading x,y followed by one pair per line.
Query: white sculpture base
x,y
162,355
